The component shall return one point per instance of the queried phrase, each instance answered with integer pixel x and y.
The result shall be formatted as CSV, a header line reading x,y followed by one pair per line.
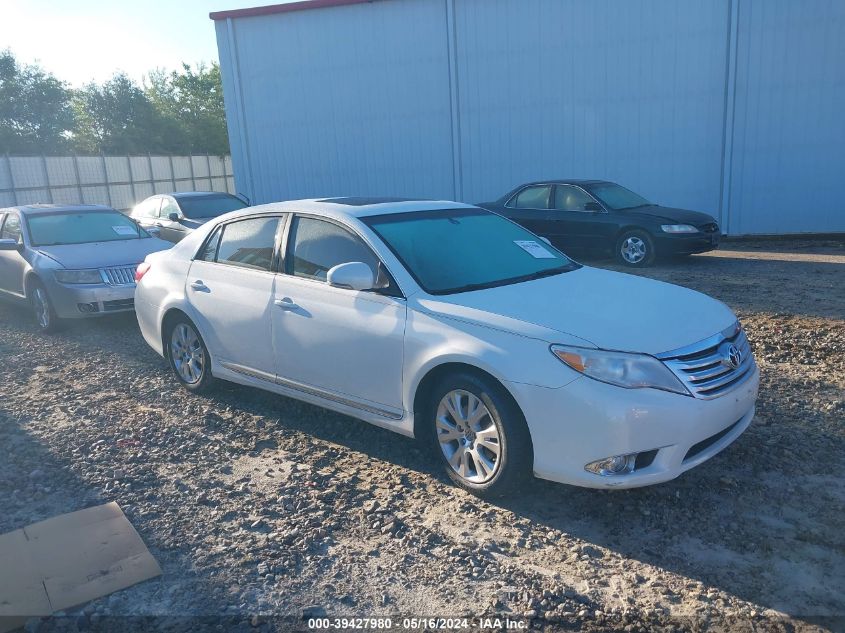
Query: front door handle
x,y
286,304
199,286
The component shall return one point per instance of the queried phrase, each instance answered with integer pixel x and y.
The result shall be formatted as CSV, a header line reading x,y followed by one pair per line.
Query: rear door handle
x,y
286,304
199,286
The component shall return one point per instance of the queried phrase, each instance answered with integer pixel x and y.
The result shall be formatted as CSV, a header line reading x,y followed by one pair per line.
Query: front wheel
x,y
480,435
42,308
188,356
635,249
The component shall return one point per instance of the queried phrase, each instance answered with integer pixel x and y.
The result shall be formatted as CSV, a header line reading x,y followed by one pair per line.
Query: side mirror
x,y
10,245
354,275
173,216
593,206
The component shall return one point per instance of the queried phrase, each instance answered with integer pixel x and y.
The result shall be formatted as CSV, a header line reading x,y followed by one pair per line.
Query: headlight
x,y
91,276
678,228
632,371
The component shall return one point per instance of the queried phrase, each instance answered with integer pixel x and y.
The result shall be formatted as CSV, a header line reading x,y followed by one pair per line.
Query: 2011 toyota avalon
x,y
450,323
71,262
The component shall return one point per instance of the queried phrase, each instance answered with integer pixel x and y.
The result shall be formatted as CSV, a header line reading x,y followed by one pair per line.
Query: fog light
x,y
88,308
616,465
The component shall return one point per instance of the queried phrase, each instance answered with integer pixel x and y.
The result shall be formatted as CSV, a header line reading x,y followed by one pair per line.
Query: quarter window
x,y
319,246
533,198
11,228
569,198
248,243
208,253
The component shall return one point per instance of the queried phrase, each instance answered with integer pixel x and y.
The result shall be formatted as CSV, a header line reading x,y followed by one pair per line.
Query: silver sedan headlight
x,y
631,371
90,276
678,228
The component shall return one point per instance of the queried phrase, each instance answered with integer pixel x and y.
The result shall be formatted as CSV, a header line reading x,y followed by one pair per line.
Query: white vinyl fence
x,y
117,181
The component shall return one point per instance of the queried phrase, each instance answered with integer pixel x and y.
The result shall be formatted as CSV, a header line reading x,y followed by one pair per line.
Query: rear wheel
x,y
480,435
188,356
42,308
635,248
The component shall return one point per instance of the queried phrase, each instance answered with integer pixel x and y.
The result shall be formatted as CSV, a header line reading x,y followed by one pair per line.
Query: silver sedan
x,y
71,262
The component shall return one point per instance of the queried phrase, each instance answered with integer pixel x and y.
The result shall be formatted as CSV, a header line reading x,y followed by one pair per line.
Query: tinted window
x,y
11,228
210,206
533,198
248,243
570,198
208,253
617,197
82,228
318,246
457,250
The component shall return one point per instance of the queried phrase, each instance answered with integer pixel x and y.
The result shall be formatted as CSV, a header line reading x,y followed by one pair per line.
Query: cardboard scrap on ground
x,y
67,560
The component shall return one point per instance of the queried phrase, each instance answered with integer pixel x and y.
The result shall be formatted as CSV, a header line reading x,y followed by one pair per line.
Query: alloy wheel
x,y
41,306
634,249
468,436
187,353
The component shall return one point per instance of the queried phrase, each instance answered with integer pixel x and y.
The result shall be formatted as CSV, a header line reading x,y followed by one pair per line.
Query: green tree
x,y
192,99
35,111
118,118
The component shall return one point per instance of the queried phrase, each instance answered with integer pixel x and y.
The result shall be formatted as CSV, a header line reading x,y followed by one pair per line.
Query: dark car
x,y
603,217
175,215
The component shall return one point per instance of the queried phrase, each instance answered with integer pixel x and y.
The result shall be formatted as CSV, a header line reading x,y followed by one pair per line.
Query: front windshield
x,y
458,250
209,206
617,197
76,227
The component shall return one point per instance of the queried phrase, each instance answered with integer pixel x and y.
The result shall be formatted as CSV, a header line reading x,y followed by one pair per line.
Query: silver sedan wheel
x,y
633,250
41,306
468,436
186,353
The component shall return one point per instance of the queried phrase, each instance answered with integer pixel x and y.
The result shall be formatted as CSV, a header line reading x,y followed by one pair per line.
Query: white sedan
x,y
452,324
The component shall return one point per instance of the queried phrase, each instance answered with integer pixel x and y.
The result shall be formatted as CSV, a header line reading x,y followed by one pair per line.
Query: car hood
x,y
610,310
676,216
102,254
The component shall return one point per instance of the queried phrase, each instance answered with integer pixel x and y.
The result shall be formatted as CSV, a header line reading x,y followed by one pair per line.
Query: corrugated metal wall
x,y
732,107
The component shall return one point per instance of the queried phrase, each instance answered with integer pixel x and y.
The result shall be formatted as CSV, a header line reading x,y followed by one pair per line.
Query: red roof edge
x,y
302,5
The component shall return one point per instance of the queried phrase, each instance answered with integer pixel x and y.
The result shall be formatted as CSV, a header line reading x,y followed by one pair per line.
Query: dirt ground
x,y
259,507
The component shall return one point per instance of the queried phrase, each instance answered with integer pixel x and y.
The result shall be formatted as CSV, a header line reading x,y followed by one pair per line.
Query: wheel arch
x,y
167,318
436,373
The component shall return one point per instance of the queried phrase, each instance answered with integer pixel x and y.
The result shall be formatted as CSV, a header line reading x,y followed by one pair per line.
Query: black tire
x,y
514,464
634,249
199,366
42,308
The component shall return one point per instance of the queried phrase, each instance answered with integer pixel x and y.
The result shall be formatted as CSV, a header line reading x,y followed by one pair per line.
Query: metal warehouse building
x,y
732,107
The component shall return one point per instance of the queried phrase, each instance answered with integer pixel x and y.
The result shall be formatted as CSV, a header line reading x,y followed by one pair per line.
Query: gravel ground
x,y
259,506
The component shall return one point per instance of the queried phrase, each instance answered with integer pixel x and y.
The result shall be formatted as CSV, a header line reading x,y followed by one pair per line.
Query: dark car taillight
x,y
142,269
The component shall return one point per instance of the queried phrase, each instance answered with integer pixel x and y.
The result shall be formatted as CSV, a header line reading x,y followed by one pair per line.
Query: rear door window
x,y
248,243
532,198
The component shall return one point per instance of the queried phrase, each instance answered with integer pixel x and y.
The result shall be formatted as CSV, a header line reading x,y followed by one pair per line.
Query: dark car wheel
x,y
479,434
42,308
188,356
634,248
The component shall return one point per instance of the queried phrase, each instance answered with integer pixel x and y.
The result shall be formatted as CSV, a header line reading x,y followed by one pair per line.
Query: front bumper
x,y
587,420
685,244
77,301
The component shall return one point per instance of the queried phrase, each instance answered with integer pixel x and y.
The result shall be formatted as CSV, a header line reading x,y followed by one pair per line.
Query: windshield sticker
x,y
534,249
124,230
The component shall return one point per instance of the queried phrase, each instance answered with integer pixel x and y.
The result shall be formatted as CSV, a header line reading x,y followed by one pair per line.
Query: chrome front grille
x,y
706,368
119,275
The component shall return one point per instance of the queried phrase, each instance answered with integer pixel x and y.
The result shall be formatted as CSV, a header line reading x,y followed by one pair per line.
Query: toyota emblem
x,y
734,356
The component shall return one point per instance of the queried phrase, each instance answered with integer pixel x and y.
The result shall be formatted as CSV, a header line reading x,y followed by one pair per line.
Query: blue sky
x,y
84,40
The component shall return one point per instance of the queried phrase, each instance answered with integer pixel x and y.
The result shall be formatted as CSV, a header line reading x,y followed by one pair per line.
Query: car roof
x,y
353,207
565,181
196,194
39,209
